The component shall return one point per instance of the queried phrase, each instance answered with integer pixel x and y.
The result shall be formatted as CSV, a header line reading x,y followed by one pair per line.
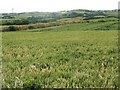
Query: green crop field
x,y
64,56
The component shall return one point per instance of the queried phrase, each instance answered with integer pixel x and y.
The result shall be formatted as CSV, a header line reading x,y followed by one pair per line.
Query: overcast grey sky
x,y
55,5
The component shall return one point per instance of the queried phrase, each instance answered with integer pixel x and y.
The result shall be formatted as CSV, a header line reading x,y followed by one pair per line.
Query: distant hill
x,y
44,17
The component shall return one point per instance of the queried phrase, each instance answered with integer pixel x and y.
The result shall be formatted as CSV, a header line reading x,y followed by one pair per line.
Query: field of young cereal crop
x,y
49,59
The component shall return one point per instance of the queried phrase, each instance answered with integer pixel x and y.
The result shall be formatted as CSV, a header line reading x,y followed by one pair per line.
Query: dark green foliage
x,y
30,27
31,85
12,28
72,15
15,22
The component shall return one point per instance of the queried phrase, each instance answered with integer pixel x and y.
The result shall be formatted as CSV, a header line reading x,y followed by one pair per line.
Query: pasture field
x,y
93,24
45,58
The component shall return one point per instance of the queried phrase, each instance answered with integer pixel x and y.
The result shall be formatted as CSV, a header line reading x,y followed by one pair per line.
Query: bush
x,y
12,28
101,21
31,27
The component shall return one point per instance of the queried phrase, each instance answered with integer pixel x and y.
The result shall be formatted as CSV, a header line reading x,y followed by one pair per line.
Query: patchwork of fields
x,y
61,57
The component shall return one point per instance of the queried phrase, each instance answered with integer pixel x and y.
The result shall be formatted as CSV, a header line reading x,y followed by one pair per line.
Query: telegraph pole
x,y
12,10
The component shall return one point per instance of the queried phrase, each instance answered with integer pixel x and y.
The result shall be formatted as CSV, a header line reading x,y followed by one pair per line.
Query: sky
x,y
55,5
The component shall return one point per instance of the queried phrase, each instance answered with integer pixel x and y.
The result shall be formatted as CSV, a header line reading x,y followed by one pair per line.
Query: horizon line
x,y
60,10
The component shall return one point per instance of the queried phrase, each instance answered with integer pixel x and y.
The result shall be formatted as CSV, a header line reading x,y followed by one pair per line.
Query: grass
x,y
111,25
65,56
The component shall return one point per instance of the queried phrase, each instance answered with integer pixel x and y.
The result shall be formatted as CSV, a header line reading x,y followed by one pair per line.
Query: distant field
x,y
81,26
78,23
64,56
